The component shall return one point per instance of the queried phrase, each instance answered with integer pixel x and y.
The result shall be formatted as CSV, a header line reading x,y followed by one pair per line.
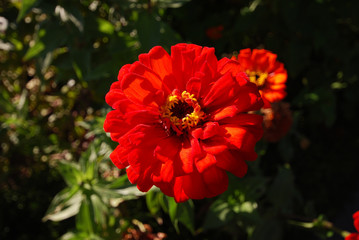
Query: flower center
x,y
257,78
181,112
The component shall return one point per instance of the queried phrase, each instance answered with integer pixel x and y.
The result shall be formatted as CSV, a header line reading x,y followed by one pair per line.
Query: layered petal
x,y
181,119
266,72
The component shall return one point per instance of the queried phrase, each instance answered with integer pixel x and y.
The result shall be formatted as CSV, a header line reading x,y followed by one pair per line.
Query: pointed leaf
x,y
152,200
64,205
85,217
181,213
26,5
71,173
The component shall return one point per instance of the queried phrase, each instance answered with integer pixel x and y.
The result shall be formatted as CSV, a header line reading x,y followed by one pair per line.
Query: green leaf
x,y
100,210
269,229
71,173
26,5
77,70
35,50
64,205
218,215
181,213
80,236
152,200
47,40
116,196
85,217
89,164
152,32
170,3
81,62
119,182
282,193
72,14
105,26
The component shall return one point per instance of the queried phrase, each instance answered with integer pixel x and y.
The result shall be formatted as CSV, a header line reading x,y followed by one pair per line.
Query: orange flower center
x,y
181,112
258,78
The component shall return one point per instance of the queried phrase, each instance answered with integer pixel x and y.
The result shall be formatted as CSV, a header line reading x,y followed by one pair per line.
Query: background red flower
x,y
266,72
277,121
181,121
215,32
354,236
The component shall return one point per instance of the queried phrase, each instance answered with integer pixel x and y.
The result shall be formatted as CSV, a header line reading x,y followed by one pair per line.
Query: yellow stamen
x,y
182,110
258,78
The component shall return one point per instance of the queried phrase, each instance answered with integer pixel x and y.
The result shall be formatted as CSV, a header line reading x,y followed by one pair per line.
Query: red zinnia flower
x,y
266,72
354,236
181,121
277,121
215,33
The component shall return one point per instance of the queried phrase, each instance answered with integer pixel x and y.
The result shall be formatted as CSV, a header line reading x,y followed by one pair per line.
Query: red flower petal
x,y
233,162
119,157
118,123
226,65
143,89
242,131
221,91
352,236
185,161
356,220
178,191
210,183
216,180
165,172
194,186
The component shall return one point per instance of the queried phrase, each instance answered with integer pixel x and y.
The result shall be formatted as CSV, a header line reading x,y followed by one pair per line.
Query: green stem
x,y
320,224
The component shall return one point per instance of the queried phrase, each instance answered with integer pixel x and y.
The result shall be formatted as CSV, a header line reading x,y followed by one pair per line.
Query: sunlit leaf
x,y
71,172
170,3
64,205
26,5
105,26
100,210
218,215
35,50
70,14
80,236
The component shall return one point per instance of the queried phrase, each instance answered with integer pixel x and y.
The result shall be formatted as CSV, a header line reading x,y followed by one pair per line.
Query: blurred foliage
x,y
58,59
